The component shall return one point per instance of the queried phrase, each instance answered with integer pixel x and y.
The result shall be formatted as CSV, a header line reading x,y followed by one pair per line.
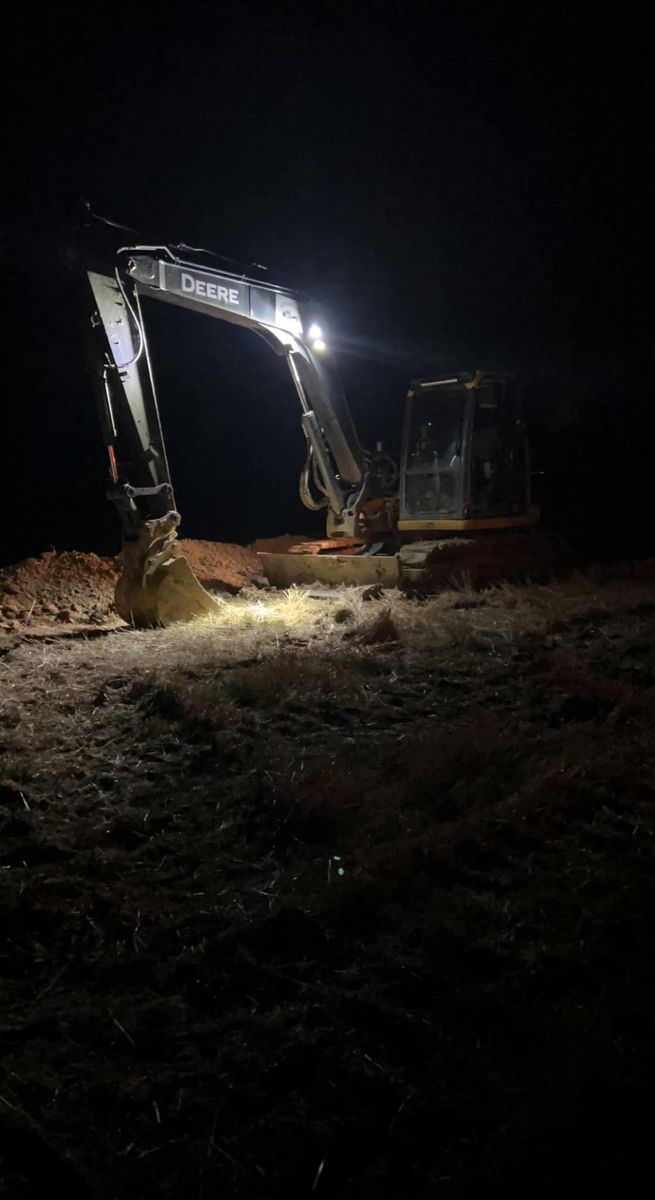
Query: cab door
x,y
498,474
434,458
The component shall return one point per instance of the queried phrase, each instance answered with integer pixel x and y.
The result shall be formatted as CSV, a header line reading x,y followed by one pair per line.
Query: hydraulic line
x,y
306,497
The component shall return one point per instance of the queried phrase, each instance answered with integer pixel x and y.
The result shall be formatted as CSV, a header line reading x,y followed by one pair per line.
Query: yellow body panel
x,y
473,523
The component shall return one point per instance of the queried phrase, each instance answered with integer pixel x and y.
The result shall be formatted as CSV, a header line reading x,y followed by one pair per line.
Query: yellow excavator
x,y
459,493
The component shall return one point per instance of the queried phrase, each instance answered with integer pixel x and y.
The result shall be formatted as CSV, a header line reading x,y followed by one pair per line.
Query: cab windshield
x,y
434,452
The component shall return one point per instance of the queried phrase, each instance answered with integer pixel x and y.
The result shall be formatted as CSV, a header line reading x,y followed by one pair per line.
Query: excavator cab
x,y
464,468
464,457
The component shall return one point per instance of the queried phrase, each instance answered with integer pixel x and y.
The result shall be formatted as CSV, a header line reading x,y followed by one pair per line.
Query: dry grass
x,y
276,895
266,648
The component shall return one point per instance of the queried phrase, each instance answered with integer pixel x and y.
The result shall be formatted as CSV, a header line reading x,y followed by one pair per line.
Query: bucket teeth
x,y
157,585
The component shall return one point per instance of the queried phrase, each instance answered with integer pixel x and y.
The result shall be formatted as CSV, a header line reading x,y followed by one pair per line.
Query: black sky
x,y
460,185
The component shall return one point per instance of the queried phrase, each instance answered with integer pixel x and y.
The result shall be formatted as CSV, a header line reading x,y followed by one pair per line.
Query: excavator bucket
x,y
157,585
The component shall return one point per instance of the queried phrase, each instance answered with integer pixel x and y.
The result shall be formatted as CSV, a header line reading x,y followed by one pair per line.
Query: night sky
x,y
458,190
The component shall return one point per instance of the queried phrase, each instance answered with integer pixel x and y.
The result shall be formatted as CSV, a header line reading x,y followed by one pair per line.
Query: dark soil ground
x,y
332,897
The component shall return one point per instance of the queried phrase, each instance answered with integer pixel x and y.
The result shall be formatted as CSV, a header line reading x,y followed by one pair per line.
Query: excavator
x,y
462,475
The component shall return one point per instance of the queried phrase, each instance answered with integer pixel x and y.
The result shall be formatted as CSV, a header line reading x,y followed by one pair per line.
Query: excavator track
x,y
514,556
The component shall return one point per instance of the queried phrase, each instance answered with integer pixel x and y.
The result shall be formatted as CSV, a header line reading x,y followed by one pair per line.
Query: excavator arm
x,y
157,585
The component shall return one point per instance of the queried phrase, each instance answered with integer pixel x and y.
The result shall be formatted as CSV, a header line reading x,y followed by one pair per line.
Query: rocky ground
x,y
329,895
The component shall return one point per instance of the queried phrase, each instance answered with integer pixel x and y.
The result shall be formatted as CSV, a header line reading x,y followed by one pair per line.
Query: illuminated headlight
x,y
315,333
319,345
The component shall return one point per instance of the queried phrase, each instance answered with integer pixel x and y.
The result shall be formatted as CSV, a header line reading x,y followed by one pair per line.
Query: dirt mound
x,y
66,587
221,566
70,589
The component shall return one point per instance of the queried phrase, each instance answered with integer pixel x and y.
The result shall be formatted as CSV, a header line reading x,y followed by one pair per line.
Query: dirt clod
x,y
382,629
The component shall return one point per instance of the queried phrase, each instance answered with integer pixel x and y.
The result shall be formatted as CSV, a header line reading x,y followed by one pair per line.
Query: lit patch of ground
x,y
332,896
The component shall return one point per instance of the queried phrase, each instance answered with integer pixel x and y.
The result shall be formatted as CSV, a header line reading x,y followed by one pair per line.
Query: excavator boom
x,y
157,585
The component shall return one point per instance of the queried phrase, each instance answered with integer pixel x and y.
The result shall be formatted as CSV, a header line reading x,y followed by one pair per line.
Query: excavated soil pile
x,y
221,566
68,590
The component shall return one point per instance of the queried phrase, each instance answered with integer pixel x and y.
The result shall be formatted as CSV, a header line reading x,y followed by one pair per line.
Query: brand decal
x,y
210,291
